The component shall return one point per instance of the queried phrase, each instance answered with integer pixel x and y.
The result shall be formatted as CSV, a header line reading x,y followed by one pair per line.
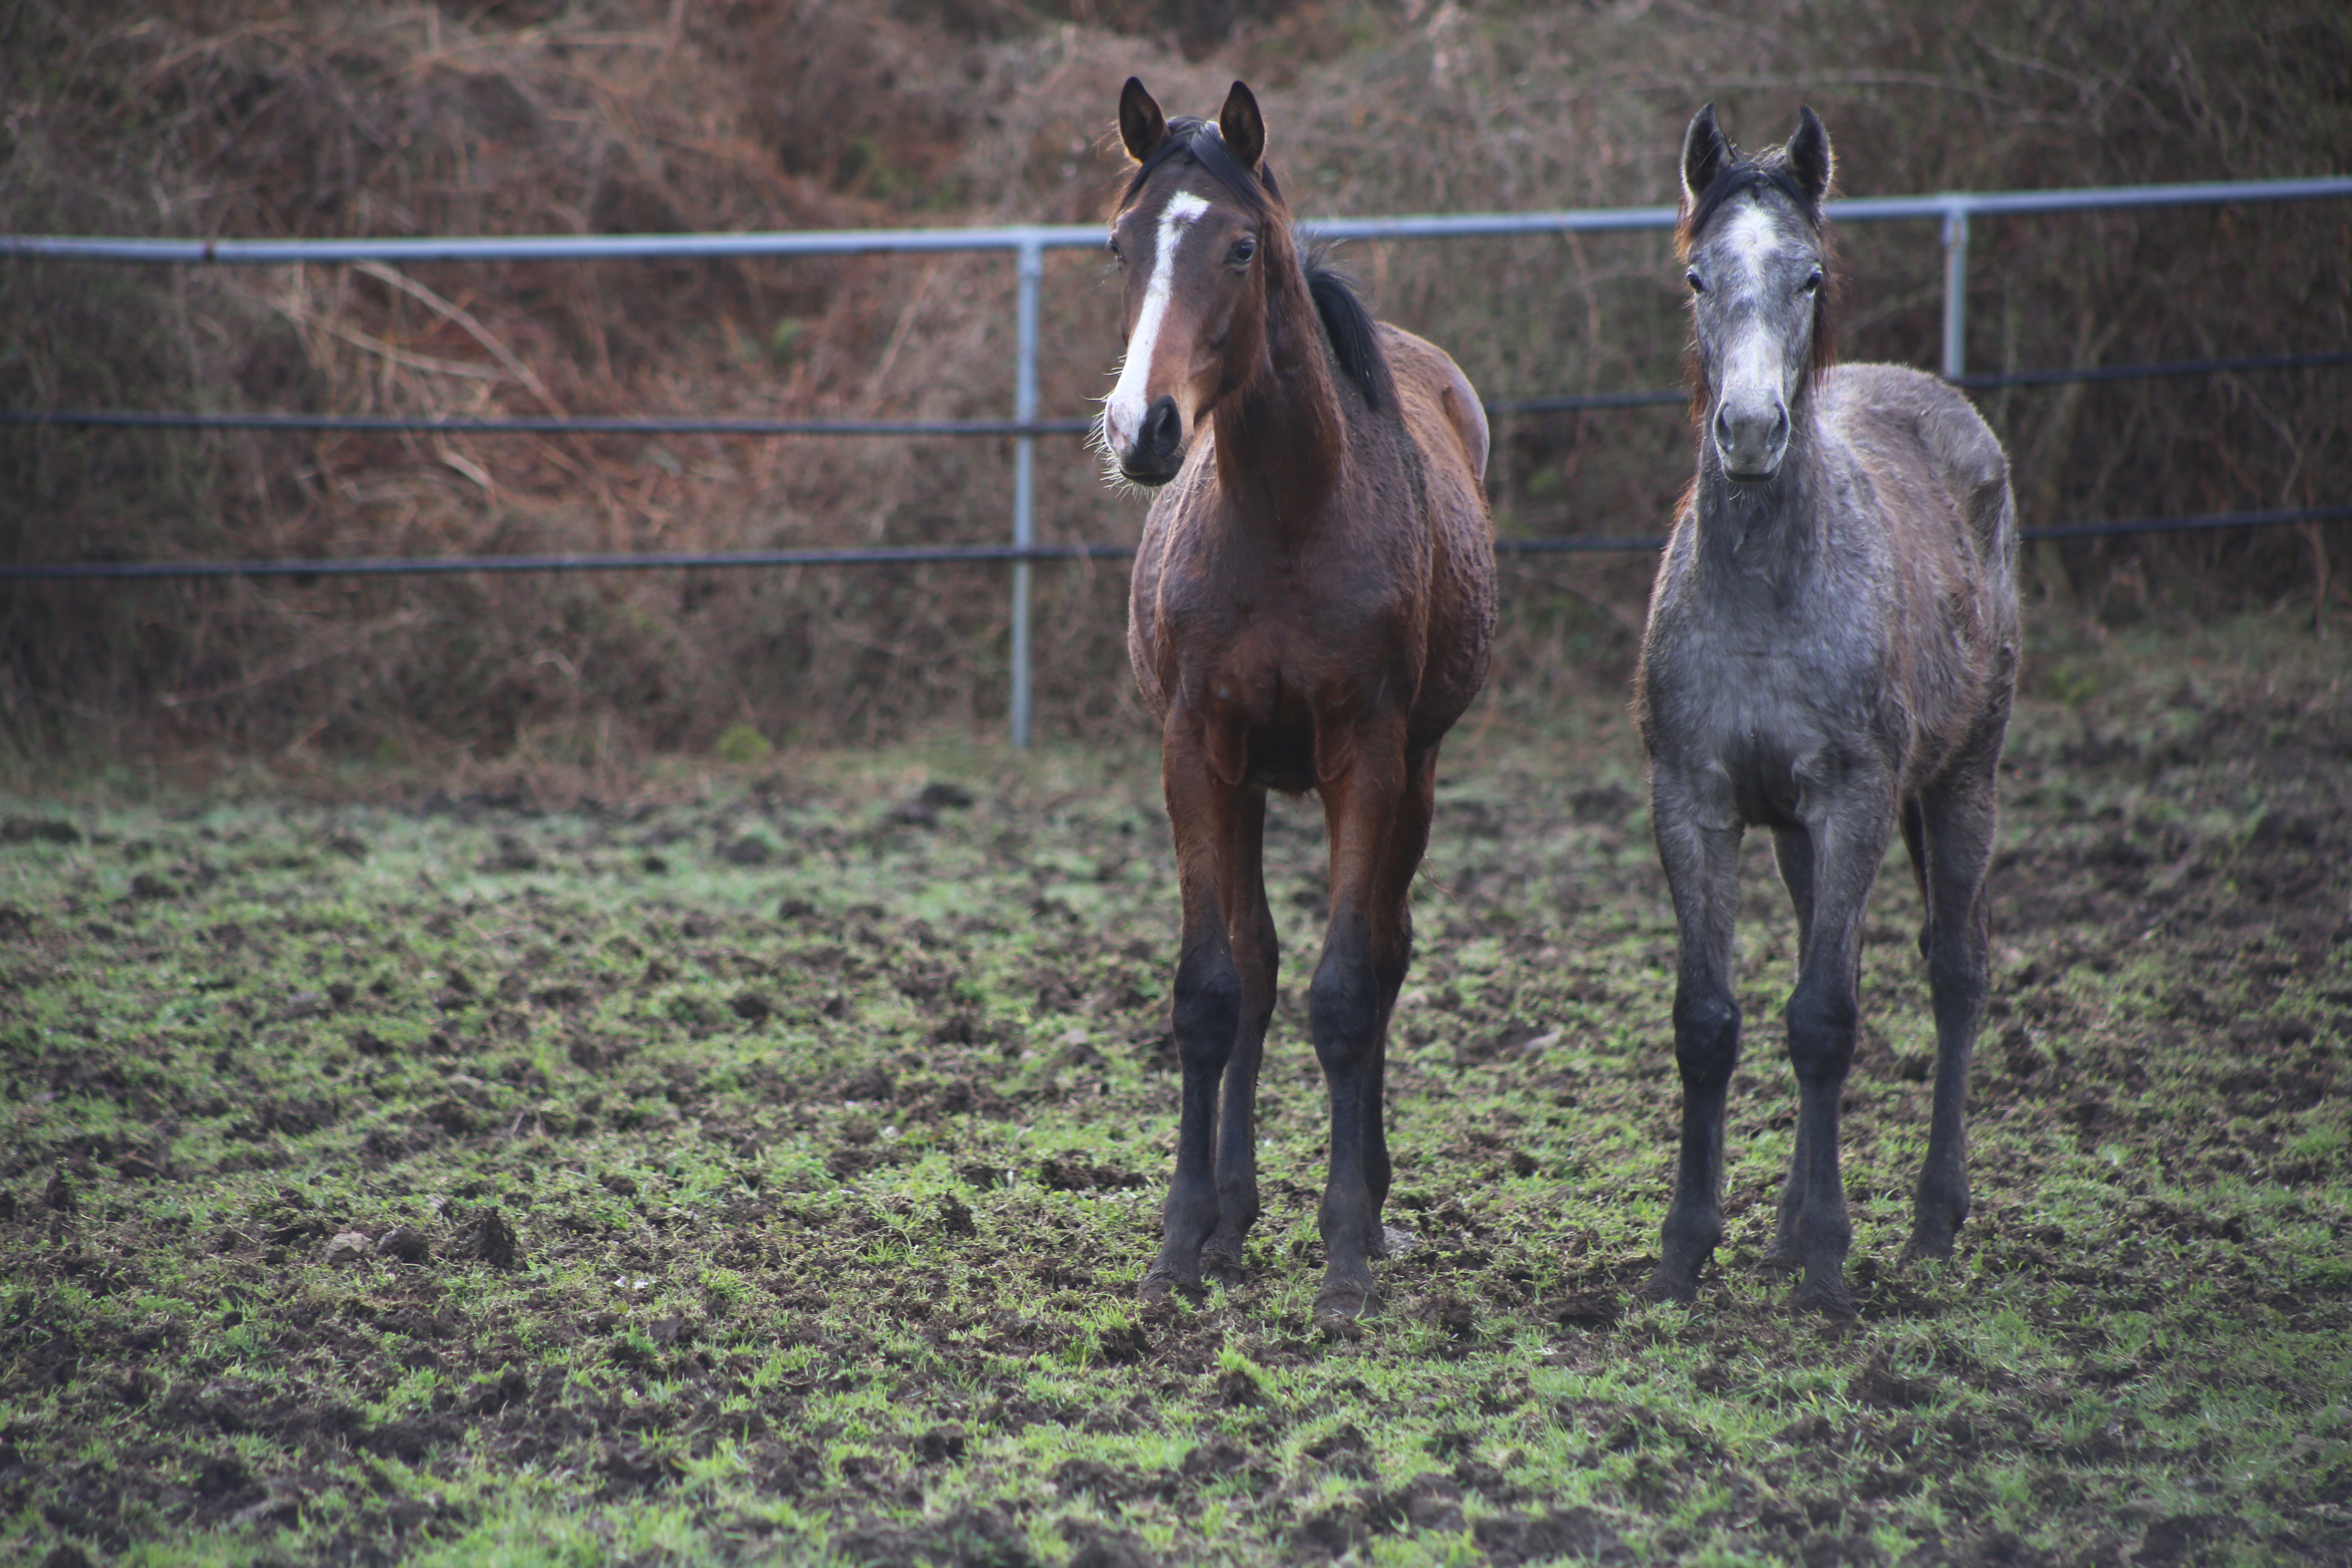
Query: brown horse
x,y
1312,607
1831,653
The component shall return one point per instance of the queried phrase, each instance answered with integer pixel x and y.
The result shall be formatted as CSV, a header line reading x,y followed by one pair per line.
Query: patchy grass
x,y
763,1173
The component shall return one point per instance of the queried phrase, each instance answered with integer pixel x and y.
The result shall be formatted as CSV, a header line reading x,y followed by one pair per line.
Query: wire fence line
x,y
929,554
1953,211
590,424
1945,207
688,425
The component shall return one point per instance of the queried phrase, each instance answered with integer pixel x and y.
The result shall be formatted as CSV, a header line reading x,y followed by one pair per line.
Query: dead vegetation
x,y
623,115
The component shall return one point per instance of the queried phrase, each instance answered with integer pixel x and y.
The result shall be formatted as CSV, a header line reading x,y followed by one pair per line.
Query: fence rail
x,y
931,554
659,425
1954,211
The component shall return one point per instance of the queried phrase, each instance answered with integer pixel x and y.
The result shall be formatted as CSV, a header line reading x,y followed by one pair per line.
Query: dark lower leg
x,y
1206,1014
1707,1048
1238,1202
1364,810
1258,956
1376,1135
1391,951
1702,870
1793,849
1822,1025
1209,1000
1391,957
1785,1256
1849,840
1959,841
1941,1203
1344,1016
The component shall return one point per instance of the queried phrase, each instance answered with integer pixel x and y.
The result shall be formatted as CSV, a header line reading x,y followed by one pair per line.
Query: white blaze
x,y
1753,370
1752,236
1123,415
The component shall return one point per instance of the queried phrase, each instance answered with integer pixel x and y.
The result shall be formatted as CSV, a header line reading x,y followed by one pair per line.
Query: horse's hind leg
x,y
1257,953
1915,841
1204,813
1391,955
1959,821
1848,837
1702,864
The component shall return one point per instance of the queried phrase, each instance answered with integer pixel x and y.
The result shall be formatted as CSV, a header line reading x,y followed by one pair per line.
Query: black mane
x,y
1355,342
1347,324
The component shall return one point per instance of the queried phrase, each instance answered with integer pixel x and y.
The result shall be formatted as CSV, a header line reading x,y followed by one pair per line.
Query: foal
x,y
1832,650
1312,604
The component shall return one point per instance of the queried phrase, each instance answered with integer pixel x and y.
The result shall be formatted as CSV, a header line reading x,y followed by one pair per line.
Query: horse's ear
x,y
1140,124
1808,154
1706,150
1243,127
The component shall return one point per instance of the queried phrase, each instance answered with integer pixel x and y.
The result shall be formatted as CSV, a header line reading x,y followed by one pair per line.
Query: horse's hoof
x,y
1223,1267
1928,1242
1826,1297
1781,1260
1159,1285
1677,1288
1342,1308
1334,1324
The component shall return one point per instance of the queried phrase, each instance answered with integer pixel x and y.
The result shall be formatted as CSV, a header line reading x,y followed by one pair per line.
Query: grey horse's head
x,y
1758,265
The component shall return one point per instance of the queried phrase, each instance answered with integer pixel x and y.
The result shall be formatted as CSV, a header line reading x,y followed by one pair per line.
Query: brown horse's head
x,y
1757,260
1195,235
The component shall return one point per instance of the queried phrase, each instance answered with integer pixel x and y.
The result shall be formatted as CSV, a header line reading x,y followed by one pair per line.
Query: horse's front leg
x,y
1849,836
1698,844
1204,812
1793,849
1257,955
1347,1010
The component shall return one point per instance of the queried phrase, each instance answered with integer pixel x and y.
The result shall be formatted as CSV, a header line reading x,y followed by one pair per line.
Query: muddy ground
x,y
760,1167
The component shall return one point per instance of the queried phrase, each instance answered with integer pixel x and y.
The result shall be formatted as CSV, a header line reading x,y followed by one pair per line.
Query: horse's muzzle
x,y
1751,445
1158,451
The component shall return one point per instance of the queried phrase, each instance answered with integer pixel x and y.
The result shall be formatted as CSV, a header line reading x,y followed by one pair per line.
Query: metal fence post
x,y
1024,458
1955,292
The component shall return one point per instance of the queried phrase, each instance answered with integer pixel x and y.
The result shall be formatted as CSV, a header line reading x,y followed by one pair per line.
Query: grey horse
x,y
1831,652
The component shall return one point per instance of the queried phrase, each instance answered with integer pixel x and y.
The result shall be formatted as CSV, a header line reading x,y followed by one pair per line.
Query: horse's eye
x,y
1814,281
1242,250
1691,278
1116,253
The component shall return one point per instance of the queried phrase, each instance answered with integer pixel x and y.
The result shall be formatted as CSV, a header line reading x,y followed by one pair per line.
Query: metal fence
x,y
1954,211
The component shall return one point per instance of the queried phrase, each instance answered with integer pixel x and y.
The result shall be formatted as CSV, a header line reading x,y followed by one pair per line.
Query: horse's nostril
x,y
1723,427
1162,426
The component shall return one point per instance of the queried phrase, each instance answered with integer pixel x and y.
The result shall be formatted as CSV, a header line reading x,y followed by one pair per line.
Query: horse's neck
x,y
1282,436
